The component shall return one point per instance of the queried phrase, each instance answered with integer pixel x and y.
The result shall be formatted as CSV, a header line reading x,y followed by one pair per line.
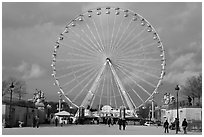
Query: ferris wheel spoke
x,y
142,59
125,47
100,39
72,47
108,36
96,45
124,31
92,53
116,36
75,65
130,78
74,60
83,47
102,91
80,37
72,39
127,56
132,102
128,51
133,74
113,93
125,39
80,55
85,78
136,93
102,32
111,41
145,72
139,65
93,46
94,96
74,71
121,96
78,77
89,82
108,89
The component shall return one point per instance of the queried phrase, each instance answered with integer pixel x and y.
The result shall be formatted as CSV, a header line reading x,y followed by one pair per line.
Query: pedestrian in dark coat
x,y
177,125
109,121
166,127
34,121
56,121
37,121
184,125
124,123
120,122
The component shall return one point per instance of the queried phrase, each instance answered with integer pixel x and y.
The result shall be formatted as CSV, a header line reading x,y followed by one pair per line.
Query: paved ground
x,y
89,130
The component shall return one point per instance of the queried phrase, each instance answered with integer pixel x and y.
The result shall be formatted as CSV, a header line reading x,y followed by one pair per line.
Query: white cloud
x,y
182,61
183,67
179,77
30,71
34,72
22,67
184,16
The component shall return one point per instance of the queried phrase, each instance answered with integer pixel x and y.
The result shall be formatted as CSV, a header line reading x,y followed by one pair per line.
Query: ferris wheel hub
x,y
108,60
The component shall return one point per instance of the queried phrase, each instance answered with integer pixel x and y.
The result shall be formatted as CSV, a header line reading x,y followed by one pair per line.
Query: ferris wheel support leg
x,y
122,89
89,97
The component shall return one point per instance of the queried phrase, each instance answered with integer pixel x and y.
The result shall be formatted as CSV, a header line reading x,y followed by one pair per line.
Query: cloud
x,y
30,71
182,68
179,77
184,15
22,67
182,61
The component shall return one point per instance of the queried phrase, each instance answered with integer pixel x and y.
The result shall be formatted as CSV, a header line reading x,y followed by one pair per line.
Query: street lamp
x,y
60,99
11,93
177,90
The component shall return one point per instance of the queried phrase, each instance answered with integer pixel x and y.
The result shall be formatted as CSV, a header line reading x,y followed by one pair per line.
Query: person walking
x,y
120,123
166,127
56,121
34,121
109,121
184,125
124,123
177,125
37,121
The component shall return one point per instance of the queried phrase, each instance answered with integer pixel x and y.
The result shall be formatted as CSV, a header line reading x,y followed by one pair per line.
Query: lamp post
x,y
60,99
177,90
11,93
177,122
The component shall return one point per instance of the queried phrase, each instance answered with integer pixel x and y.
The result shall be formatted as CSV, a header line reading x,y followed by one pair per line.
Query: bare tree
x,y
19,87
193,88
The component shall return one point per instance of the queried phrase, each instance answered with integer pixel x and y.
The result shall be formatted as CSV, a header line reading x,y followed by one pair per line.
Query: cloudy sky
x,y
29,31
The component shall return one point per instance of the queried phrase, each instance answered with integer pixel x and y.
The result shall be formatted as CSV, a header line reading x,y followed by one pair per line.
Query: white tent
x,y
63,113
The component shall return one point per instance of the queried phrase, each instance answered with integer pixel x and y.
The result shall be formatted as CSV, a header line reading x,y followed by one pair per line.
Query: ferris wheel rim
x,y
134,13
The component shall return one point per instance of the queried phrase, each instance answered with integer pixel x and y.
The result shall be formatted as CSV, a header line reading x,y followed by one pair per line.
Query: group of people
x,y
184,125
121,122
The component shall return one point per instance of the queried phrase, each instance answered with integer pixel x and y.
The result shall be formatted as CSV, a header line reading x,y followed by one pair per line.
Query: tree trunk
x,y
193,100
199,101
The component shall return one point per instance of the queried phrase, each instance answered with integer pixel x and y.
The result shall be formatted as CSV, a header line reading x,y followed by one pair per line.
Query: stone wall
x,y
24,114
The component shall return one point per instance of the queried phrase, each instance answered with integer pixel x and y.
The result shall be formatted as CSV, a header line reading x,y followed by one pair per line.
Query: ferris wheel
x,y
108,56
